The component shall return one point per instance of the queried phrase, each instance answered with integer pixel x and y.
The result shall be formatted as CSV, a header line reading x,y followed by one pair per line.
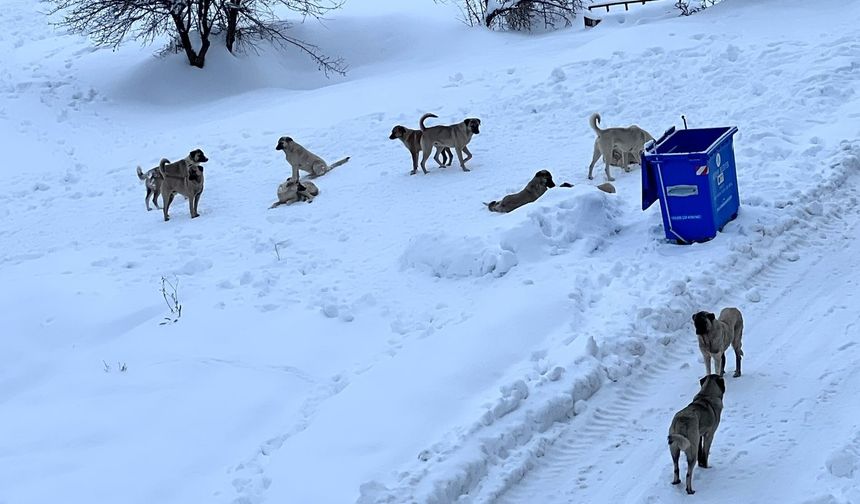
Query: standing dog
x,y
412,140
628,141
693,428
302,159
454,136
536,187
182,178
291,191
715,336
152,180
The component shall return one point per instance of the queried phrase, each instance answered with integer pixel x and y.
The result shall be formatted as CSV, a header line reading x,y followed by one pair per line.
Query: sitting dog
x,y
412,140
153,177
537,186
715,336
624,140
454,136
182,177
693,428
302,159
291,191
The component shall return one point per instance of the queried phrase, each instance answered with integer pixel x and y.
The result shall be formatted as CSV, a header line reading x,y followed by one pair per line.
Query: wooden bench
x,y
590,22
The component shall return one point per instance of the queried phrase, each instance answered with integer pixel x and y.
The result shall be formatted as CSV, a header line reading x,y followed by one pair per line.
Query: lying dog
x,y
625,140
302,159
537,186
153,177
412,140
454,136
693,428
605,187
291,191
183,177
715,336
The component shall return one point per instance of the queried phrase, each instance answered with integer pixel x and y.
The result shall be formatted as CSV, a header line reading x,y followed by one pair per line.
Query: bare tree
x,y
248,22
519,15
686,9
193,23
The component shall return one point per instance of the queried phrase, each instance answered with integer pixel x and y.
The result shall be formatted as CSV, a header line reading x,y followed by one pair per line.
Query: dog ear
x,y
712,317
721,383
702,380
694,316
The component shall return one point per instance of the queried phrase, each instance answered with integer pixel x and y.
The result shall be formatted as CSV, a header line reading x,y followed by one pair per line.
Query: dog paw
x,y
466,169
611,179
690,491
676,482
737,374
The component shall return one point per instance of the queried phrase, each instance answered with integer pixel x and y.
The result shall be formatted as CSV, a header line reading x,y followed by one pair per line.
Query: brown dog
x,y
537,186
182,178
412,140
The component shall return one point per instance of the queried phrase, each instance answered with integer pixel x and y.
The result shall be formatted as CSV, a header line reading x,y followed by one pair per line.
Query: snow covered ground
x,y
393,341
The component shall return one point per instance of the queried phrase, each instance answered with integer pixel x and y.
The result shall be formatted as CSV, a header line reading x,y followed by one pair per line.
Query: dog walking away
x,y
628,141
716,334
182,177
302,159
412,140
291,191
537,186
454,136
693,428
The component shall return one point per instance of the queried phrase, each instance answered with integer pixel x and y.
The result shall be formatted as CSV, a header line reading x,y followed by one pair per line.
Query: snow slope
x,y
393,341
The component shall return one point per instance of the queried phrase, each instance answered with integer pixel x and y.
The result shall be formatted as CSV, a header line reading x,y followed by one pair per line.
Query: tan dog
x,y
302,159
181,178
628,141
291,191
537,186
153,177
412,140
693,428
715,335
605,187
454,136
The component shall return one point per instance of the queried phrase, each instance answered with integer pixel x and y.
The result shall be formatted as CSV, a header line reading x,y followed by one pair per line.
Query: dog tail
x,y
338,163
161,164
424,118
140,174
680,441
593,120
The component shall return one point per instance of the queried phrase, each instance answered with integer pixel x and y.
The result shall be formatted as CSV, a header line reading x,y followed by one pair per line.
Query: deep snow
x,y
393,341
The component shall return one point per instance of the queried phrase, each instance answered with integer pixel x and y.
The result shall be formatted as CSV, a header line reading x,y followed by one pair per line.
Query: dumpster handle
x,y
685,121
666,202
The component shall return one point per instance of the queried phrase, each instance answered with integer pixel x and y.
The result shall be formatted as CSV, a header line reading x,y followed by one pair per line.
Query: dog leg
x,y
594,159
707,439
676,455
739,353
460,158
148,194
468,154
275,204
425,153
414,162
722,363
691,463
447,154
707,357
167,201
437,156
606,169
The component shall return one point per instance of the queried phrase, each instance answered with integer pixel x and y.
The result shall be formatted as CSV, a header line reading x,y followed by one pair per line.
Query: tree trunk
x,y
185,40
232,24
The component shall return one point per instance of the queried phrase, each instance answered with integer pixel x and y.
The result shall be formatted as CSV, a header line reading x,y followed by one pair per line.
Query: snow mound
x,y
579,219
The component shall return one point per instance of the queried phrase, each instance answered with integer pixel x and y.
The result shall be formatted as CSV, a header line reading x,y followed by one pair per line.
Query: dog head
x,y
708,383
546,178
473,124
397,132
197,156
283,142
703,321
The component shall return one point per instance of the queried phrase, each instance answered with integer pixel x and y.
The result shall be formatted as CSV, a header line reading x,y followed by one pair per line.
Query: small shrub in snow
x,y
519,15
170,293
687,9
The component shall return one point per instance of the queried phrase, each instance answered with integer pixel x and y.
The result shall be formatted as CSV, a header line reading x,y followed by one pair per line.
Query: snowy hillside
x,y
394,342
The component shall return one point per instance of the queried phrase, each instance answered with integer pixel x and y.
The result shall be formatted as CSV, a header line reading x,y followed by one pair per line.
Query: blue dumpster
x,y
692,172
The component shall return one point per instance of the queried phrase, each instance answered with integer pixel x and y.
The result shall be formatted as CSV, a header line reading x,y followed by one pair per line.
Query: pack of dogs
x,y
618,147
692,429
